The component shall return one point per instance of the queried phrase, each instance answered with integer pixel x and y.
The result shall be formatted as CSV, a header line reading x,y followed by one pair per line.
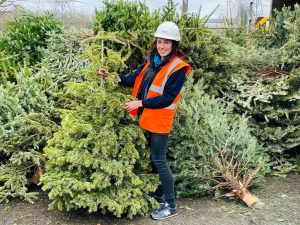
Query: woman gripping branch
x,y
157,85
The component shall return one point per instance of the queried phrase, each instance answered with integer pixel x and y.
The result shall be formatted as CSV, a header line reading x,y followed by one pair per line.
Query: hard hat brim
x,y
167,37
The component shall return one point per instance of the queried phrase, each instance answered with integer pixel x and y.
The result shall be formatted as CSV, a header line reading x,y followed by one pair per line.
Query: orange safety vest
x,y
160,120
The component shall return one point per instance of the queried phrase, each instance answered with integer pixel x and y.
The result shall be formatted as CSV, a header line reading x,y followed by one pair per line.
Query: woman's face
x,y
164,47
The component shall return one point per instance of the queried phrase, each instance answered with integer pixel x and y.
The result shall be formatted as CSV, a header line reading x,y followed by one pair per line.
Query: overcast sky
x,y
88,6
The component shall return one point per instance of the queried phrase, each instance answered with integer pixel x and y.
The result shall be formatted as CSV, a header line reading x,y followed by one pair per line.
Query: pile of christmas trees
x,y
239,113
266,89
27,117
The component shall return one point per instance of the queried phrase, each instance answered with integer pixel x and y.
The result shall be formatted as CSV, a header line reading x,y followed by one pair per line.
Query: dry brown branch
x,y
231,170
219,185
272,72
250,177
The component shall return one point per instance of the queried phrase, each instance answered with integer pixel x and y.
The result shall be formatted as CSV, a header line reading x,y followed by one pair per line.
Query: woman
x,y
157,85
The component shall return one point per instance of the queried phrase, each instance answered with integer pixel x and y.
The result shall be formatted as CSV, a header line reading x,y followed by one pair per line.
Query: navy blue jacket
x,y
171,90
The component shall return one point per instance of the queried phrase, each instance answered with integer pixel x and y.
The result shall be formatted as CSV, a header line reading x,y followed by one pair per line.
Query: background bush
x,y
25,38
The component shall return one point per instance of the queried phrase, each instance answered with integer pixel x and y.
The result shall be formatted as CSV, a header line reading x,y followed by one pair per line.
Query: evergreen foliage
x,y
237,35
289,52
28,117
26,123
208,140
279,33
128,19
62,55
61,60
272,101
204,49
99,159
25,38
209,61
266,87
7,68
132,21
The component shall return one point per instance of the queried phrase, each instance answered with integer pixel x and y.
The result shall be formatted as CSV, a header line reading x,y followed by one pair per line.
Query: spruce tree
x,y
99,158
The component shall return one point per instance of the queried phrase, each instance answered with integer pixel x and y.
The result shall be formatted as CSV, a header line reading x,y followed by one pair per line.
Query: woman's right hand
x,y
102,72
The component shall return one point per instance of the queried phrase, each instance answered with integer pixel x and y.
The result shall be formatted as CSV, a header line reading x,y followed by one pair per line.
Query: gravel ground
x,y
278,204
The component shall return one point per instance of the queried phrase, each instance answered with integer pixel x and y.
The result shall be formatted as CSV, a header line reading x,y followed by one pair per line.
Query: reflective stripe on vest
x,y
160,120
161,89
172,106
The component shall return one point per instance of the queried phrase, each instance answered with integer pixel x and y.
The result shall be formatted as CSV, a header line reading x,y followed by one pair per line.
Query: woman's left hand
x,y
129,106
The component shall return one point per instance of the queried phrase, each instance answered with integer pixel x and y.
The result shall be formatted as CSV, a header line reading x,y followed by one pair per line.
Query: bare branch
x,y
250,177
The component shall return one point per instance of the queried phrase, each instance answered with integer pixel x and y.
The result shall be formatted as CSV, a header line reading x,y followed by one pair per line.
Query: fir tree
x,y
26,123
61,57
272,101
213,149
266,88
99,158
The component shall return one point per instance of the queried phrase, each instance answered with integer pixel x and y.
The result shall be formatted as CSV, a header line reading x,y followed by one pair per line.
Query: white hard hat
x,y
168,30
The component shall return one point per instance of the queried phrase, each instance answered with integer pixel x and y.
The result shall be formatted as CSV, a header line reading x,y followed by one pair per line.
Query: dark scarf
x,y
155,65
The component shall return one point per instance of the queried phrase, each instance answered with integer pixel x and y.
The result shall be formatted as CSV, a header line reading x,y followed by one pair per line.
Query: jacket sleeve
x,y
171,90
129,79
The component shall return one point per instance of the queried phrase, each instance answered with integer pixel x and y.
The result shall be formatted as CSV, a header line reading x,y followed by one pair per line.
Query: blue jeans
x,y
158,145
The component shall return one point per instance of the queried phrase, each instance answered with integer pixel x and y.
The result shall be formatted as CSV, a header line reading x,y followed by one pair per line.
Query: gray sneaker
x,y
164,212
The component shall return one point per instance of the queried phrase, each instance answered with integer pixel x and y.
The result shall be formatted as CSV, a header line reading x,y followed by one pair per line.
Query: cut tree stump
x,y
38,172
240,188
247,197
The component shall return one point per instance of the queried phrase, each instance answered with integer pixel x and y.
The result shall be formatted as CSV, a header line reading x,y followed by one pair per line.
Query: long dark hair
x,y
176,50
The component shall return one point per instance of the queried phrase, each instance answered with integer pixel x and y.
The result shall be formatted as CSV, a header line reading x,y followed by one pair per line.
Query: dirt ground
x,y
278,204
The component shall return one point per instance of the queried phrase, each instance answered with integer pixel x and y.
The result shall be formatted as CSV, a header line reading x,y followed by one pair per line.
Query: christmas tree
x,y
99,158
26,123
212,149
